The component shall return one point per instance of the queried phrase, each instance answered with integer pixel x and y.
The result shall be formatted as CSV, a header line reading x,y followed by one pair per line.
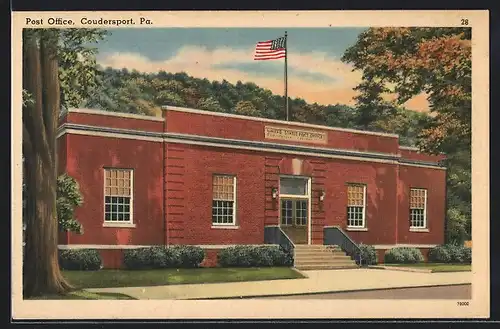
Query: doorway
x,y
295,208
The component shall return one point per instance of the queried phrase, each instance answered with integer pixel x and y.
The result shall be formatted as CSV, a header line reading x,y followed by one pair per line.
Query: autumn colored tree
x,y
409,61
406,62
58,72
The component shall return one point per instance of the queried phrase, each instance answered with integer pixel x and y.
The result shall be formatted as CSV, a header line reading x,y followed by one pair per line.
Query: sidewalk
x,y
316,282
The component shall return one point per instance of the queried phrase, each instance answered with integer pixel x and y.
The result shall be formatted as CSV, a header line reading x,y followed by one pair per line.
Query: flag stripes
x,y
271,49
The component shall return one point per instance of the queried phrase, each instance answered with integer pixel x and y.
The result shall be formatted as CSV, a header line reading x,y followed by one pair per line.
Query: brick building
x,y
215,179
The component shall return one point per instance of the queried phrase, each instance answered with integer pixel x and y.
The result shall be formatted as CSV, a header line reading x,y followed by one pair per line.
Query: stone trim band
x,y
71,128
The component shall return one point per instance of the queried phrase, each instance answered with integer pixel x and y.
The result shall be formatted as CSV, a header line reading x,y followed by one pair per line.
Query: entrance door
x,y
294,208
294,213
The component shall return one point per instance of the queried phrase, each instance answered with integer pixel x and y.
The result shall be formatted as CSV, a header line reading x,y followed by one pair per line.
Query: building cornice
x,y
89,130
115,114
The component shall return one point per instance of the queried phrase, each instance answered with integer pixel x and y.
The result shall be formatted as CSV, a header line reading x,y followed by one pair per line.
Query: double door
x,y
294,218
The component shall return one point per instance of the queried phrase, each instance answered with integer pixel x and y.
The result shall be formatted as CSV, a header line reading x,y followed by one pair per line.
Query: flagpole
x,y
286,78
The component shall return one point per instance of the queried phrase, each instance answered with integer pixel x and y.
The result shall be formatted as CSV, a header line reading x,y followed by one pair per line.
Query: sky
x,y
315,71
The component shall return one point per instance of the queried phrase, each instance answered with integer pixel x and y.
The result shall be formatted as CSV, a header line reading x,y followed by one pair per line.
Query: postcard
x,y
250,165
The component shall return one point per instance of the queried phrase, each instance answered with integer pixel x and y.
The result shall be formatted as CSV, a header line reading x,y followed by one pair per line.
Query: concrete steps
x,y
320,257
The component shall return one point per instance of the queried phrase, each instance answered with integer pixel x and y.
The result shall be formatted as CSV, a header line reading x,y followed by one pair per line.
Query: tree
x,y
340,116
407,62
209,104
410,61
68,198
370,103
57,73
191,96
246,108
166,97
406,123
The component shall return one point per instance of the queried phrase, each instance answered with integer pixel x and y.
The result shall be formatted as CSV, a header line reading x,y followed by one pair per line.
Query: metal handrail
x,y
334,235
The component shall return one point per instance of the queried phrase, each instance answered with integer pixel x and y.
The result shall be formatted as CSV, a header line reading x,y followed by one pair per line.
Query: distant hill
x,y
141,93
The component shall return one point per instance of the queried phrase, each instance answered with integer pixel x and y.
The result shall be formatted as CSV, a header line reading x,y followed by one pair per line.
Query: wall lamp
x,y
321,195
275,192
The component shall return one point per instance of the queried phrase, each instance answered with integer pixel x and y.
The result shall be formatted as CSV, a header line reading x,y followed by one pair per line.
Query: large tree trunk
x,y
41,273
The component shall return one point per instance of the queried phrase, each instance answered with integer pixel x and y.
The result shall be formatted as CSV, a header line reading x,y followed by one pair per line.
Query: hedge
x,y
403,255
80,260
450,253
163,257
368,254
254,256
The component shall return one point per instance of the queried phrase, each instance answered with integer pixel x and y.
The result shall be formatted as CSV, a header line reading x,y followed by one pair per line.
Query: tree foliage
x,y
247,108
140,93
410,61
68,198
406,62
77,64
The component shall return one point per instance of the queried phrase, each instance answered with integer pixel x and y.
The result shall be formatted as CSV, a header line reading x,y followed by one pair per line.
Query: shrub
x,y
456,253
439,254
80,260
163,257
450,253
188,256
467,255
136,258
368,254
254,256
285,257
157,257
403,255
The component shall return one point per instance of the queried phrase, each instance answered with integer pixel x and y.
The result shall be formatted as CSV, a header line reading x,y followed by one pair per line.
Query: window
x,y
223,200
118,195
293,186
294,212
418,204
356,205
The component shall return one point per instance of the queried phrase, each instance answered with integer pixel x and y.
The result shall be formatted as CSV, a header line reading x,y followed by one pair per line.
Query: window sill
x,y
423,230
225,227
360,229
124,225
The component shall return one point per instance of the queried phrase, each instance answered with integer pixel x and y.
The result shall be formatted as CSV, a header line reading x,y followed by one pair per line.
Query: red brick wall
x,y
112,258
189,198
87,155
236,128
188,184
62,154
256,175
434,180
381,181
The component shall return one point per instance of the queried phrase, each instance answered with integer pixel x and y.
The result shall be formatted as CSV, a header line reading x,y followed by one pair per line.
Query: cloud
x,y
313,76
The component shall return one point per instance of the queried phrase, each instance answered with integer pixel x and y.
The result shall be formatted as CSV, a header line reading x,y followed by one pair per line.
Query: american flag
x,y
271,49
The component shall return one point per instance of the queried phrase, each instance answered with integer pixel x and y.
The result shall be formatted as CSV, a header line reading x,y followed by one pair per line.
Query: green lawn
x,y
139,278
437,267
82,294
